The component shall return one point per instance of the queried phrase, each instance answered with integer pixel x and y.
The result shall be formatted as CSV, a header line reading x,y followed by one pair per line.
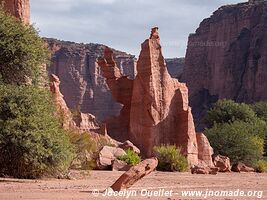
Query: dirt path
x,y
166,185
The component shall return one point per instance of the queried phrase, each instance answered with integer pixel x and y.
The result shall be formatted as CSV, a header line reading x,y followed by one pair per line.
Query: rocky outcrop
x,y
80,121
18,8
226,57
155,108
63,111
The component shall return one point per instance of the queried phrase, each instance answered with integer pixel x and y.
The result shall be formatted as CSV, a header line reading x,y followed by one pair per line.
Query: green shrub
x,y
227,111
261,166
170,158
22,51
32,142
240,141
85,148
131,158
260,109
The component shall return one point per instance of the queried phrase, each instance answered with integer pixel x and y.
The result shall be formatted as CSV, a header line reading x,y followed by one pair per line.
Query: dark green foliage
x,y
32,142
260,109
227,111
131,158
22,51
238,140
170,158
236,131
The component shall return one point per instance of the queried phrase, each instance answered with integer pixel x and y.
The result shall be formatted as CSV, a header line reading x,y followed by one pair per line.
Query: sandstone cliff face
x,y
175,67
156,107
226,57
82,84
18,8
80,121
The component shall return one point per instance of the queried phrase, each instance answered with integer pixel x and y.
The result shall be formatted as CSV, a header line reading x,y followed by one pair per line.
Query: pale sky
x,y
123,24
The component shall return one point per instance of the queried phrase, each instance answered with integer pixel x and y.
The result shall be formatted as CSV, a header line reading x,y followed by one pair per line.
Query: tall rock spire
x,y
156,107
18,8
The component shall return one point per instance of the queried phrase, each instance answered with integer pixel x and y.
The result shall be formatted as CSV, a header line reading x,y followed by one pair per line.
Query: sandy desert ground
x,y
169,186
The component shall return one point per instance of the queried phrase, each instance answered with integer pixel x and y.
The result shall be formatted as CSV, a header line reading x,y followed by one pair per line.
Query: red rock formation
x,y
156,107
81,122
205,151
18,8
226,57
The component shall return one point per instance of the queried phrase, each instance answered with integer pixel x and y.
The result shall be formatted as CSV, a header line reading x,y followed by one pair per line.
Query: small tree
x,y
239,141
22,51
227,111
32,142
170,158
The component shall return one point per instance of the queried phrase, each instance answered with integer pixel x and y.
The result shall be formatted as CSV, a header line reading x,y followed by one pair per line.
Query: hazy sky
x,y
123,24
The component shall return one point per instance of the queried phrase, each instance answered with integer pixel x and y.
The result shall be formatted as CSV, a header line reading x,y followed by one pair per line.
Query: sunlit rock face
x,y
18,8
226,57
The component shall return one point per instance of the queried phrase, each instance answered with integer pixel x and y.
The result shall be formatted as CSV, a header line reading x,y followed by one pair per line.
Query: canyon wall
x,y
18,8
226,57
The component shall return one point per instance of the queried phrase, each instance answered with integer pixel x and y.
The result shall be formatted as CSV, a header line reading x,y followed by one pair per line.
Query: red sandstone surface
x,y
18,8
155,108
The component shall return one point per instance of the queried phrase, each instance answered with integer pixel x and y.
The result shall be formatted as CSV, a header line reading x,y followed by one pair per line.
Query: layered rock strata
x,y
226,57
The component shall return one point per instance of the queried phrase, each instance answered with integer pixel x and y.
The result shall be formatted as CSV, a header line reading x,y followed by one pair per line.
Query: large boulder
x,y
240,167
107,155
222,162
156,109
129,145
134,174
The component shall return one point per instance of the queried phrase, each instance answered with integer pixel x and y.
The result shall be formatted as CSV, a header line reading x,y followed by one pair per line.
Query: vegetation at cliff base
x,y
32,141
237,130
170,158
22,51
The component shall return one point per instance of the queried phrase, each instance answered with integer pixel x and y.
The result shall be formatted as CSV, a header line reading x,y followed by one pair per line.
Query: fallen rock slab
x,y
240,167
204,170
134,174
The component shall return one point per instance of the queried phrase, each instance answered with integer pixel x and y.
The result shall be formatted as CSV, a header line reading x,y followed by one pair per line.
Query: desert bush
x,y
228,111
261,166
85,148
260,109
22,51
131,158
32,142
170,158
240,141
